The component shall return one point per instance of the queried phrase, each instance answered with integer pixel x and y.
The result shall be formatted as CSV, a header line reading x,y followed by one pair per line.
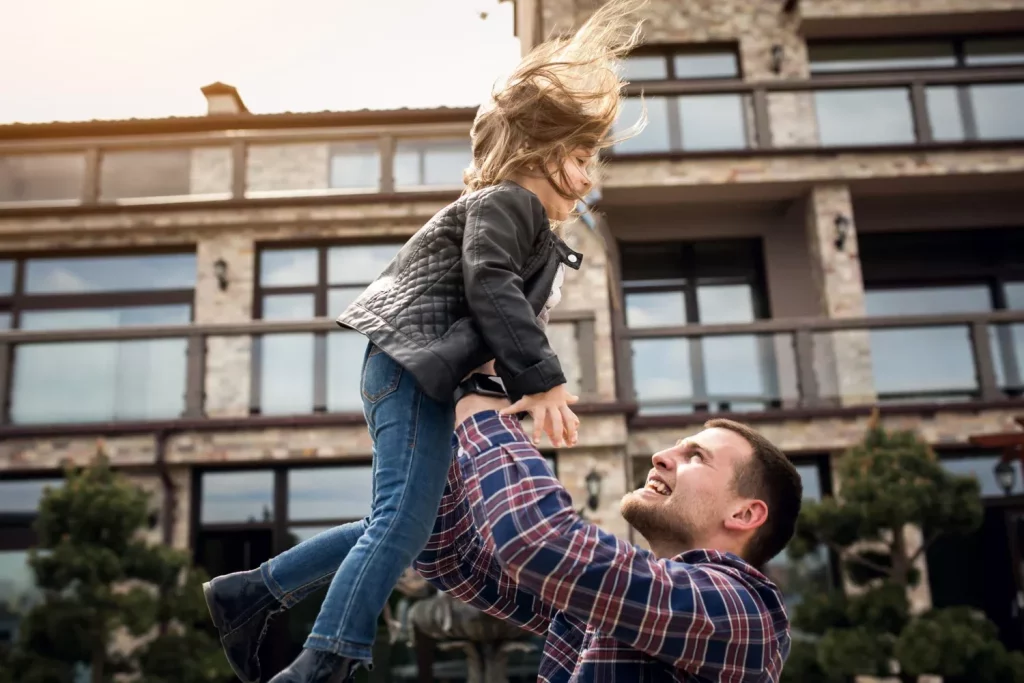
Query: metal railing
x,y
197,367
792,352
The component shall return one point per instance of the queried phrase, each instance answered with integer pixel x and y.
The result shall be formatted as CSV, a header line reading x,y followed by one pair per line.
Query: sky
x,y
73,60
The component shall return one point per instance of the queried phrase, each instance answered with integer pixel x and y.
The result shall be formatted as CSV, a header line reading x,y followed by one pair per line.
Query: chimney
x,y
222,98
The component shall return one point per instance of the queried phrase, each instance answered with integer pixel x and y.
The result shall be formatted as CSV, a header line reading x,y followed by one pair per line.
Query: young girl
x,y
473,285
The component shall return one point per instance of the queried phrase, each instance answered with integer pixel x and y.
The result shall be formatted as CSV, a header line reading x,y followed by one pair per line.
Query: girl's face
x,y
577,167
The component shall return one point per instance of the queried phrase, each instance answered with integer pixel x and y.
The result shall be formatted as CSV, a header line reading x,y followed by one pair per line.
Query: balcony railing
x,y
235,165
163,377
835,111
803,364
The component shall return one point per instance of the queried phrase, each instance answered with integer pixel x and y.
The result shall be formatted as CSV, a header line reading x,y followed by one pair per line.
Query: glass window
x,y
994,51
288,307
41,177
984,470
944,113
655,309
712,122
864,116
431,163
662,375
145,173
359,264
706,65
24,495
655,136
18,591
81,274
286,373
899,366
124,380
231,497
344,371
5,320
288,267
827,58
329,493
6,277
122,316
645,68
355,165
997,110
726,303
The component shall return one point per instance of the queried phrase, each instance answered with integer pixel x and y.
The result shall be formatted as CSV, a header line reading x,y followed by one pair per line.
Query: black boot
x,y
317,666
241,605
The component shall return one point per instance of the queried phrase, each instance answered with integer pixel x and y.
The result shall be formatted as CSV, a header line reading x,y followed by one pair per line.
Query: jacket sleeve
x,y
494,248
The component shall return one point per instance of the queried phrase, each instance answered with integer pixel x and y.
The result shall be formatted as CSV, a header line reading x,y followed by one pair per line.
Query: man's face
x,y
690,492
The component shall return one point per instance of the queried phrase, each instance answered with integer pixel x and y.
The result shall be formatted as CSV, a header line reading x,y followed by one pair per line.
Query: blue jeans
x,y
412,449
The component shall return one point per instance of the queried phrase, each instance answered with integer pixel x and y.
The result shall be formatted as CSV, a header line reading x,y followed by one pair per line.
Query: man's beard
x,y
655,522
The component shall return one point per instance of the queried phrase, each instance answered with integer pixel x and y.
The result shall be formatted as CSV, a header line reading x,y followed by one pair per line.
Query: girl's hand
x,y
551,414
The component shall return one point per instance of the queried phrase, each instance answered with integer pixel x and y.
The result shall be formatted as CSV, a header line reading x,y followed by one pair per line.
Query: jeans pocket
x,y
381,376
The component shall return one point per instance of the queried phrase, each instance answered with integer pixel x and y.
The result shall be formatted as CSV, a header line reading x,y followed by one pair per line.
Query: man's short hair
x,y
771,477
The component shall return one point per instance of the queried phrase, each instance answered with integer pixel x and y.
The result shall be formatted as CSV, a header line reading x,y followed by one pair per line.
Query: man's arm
x,y
456,562
717,621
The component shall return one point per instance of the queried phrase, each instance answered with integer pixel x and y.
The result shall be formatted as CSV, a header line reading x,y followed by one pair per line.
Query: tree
x,y
889,482
103,583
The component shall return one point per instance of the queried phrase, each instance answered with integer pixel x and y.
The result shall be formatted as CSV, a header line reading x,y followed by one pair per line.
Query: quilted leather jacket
x,y
468,287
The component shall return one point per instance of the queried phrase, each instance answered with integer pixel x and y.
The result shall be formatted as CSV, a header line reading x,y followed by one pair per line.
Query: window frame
x,y
957,41
321,295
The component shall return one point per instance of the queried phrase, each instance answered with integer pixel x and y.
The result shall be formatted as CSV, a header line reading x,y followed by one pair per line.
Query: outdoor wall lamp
x,y
593,489
1006,476
842,230
220,271
777,54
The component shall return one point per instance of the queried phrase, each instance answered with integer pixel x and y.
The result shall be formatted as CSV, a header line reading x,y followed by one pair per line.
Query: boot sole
x,y
218,624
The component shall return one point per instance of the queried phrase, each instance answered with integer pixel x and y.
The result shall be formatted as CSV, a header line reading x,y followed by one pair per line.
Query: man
x,y
694,608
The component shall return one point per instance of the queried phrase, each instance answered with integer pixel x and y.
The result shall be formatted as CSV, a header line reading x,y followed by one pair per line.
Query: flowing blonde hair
x,y
565,94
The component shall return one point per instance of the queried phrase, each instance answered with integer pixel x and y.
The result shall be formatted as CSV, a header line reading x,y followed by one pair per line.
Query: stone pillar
x,y
227,358
842,359
575,464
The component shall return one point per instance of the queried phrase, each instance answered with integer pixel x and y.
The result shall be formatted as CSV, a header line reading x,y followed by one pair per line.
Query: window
x,y
300,283
42,177
246,516
685,122
972,271
673,284
156,173
125,380
880,116
431,163
19,505
355,166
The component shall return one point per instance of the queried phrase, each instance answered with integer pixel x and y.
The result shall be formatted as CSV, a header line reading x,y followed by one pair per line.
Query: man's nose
x,y
662,461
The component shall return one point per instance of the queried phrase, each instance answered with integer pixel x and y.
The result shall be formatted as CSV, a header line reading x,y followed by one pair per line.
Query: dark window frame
x,y
321,294
668,51
694,272
957,41
18,301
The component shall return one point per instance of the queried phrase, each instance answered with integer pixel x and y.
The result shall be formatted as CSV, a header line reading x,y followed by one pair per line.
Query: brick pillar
x,y
843,359
227,358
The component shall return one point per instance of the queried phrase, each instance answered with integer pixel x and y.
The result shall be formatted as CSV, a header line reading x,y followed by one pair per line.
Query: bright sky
x,y
73,60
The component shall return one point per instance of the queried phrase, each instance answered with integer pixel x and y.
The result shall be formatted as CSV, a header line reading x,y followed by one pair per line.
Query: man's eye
x,y
696,455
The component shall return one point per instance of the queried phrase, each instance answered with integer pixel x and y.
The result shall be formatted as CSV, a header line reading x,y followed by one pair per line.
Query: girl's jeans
x,y
412,449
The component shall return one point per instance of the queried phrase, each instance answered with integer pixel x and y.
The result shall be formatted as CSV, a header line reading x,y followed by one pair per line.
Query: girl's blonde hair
x,y
565,94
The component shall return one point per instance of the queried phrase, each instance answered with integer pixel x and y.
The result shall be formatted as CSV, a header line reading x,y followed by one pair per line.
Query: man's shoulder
x,y
715,570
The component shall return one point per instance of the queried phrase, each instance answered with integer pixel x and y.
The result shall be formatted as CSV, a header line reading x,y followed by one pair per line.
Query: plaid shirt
x,y
508,542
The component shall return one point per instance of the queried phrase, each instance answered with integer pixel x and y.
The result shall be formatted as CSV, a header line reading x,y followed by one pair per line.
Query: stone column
x,y
227,358
842,359
573,467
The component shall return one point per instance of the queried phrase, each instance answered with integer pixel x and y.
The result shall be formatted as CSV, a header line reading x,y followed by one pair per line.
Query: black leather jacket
x,y
468,287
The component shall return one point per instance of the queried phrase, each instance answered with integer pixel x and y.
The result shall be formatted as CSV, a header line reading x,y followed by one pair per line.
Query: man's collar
x,y
487,429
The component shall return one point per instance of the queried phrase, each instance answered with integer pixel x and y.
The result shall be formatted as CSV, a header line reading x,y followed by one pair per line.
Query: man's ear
x,y
748,515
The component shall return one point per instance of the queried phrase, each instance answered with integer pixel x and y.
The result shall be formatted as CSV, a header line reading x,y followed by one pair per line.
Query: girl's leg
x,y
412,451
299,571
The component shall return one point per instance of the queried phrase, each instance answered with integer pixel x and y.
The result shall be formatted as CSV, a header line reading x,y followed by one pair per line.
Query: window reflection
x,y
355,165
706,65
82,274
828,58
431,163
288,307
345,352
126,380
662,375
712,122
944,112
286,373
24,495
655,309
645,68
6,277
655,136
288,267
864,116
121,316
41,177
329,493
145,173
237,497
18,592
358,264
997,110
994,51
983,469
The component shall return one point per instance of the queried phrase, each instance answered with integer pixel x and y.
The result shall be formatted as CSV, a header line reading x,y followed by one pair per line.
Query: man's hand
x,y
550,412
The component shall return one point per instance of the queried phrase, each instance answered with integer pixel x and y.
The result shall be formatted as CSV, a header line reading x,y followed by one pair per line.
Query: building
x,y
824,213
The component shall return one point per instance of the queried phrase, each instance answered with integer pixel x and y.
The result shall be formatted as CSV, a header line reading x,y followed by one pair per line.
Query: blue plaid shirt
x,y
508,542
